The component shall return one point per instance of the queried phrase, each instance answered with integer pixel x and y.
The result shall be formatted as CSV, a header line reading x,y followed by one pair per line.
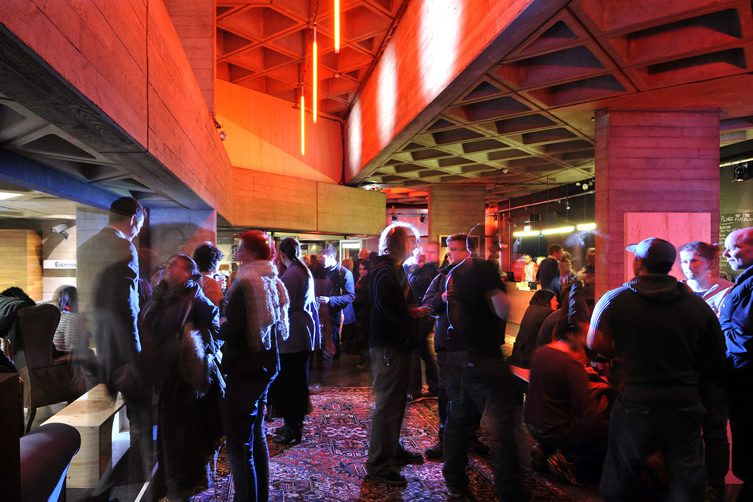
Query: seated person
x,y
565,412
541,305
71,334
11,301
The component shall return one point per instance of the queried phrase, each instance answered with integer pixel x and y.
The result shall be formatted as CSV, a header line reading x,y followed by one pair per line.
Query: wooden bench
x,y
92,415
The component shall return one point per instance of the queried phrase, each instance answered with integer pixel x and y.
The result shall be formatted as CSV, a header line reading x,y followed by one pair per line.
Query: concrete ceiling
x,y
526,124
32,204
30,136
266,46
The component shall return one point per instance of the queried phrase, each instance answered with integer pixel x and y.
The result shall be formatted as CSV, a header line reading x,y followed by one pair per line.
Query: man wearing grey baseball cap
x,y
666,346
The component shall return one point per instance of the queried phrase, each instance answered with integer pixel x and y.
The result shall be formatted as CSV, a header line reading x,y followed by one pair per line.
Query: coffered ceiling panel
x,y
526,124
266,46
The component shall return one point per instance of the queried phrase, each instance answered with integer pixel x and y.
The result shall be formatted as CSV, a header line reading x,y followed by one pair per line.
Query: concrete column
x,y
455,209
194,22
89,222
657,174
170,231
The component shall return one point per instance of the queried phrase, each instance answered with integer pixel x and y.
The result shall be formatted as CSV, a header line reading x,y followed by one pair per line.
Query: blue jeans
x,y
487,387
390,368
638,430
246,440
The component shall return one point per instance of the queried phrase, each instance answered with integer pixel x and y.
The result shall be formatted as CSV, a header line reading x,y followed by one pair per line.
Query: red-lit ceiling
x,y
265,45
525,125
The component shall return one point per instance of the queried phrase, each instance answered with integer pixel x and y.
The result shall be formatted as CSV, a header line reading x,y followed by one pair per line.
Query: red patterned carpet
x,y
329,464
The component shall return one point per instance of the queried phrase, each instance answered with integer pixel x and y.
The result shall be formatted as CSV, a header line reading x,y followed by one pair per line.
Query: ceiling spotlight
x,y
505,171
584,186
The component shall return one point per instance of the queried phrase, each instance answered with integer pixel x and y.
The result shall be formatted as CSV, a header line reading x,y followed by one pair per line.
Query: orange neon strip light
x,y
337,26
315,84
303,126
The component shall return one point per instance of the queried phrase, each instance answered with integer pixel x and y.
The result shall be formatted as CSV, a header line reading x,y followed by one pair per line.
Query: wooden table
x,y
92,415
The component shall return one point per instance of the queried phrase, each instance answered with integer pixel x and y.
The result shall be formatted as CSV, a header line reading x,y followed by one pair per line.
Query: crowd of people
x,y
633,390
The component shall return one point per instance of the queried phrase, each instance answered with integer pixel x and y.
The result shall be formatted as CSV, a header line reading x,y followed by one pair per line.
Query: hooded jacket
x,y
734,315
665,342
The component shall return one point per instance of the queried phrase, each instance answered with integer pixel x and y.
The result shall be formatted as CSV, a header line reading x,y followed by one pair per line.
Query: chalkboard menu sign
x,y
736,208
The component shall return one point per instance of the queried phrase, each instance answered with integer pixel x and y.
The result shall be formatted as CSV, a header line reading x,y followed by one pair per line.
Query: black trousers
x,y
289,393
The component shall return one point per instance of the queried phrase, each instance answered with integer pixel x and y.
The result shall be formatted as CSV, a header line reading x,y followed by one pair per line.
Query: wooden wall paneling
x,y
22,261
347,210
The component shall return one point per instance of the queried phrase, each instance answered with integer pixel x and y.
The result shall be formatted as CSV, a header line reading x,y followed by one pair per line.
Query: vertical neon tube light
x,y
337,26
315,83
303,125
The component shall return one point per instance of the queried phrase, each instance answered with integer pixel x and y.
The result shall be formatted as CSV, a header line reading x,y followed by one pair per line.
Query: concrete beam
x,y
439,48
30,174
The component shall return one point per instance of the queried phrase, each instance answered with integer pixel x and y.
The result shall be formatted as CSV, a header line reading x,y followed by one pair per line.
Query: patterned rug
x,y
329,465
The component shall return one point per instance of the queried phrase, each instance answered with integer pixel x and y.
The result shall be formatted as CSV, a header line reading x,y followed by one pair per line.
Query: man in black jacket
x,y
477,309
419,277
735,316
549,270
337,290
393,314
110,261
666,346
451,350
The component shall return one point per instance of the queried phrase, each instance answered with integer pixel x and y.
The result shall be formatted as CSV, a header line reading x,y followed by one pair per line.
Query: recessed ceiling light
x,y
9,195
61,216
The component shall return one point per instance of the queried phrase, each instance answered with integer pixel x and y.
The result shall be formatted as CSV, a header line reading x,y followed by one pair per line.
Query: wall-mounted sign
x,y
59,264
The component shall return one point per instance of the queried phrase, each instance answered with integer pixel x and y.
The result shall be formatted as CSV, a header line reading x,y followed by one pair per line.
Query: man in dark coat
x,y
667,351
391,331
109,259
419,277
477,308
549,270
337,290
736,318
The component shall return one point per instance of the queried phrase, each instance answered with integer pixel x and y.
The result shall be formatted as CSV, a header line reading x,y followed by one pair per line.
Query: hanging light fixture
x,y
303,124
315,83
337,26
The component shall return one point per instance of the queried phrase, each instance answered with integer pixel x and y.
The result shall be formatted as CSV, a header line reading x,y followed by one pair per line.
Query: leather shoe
x,y
409,457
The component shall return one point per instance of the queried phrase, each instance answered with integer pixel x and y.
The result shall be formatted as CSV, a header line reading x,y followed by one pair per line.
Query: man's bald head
x,y
739,248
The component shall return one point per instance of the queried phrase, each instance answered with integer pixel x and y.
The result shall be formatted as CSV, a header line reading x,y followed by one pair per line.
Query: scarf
x,y
267,303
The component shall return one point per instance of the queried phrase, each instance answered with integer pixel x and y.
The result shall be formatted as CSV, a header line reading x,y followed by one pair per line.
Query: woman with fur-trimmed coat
x,y
256,316
188,423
